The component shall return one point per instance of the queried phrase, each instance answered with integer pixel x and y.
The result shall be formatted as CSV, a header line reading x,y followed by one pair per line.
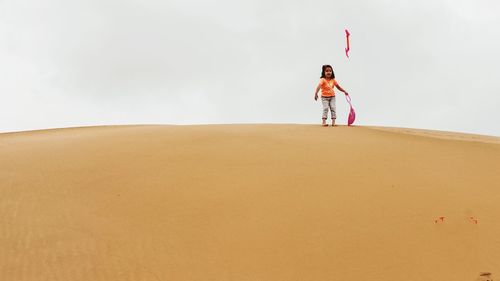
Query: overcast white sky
x,y
431,64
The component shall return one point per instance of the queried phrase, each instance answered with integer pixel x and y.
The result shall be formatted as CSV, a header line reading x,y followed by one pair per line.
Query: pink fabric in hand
x,y
352,113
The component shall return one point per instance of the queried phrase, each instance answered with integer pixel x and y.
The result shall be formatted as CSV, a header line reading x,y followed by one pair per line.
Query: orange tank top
x,y
327,86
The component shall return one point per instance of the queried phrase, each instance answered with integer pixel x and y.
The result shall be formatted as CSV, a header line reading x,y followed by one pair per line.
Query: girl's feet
x,y
324,123
333,123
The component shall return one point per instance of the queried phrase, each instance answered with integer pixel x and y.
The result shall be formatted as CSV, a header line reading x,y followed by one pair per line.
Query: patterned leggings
x,y
329,104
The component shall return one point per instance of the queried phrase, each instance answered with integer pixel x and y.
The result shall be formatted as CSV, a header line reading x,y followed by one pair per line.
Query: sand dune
x,y
248,203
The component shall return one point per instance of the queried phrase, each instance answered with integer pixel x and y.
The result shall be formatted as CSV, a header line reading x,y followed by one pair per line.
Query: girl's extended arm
x,y
316,93
340,88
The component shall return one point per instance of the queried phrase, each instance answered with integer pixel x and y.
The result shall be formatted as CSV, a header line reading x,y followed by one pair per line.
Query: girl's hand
x,y
346,93
315,97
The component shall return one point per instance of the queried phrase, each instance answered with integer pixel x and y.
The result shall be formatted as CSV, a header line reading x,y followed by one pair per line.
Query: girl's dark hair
x,y
323,68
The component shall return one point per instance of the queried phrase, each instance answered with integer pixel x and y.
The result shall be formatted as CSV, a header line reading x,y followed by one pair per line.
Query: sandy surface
x,y
248,203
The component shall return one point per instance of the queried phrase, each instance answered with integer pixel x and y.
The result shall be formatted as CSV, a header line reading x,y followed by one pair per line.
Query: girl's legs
x,y
326,105
333,109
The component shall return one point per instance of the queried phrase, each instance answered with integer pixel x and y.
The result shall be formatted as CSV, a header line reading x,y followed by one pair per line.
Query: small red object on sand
x,y
439,219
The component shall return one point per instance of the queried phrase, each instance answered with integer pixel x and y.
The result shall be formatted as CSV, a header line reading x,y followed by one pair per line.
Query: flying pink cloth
x,y
352,113
347,43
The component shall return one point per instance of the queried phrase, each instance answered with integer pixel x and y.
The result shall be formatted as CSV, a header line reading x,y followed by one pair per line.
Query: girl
x,y
326,84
